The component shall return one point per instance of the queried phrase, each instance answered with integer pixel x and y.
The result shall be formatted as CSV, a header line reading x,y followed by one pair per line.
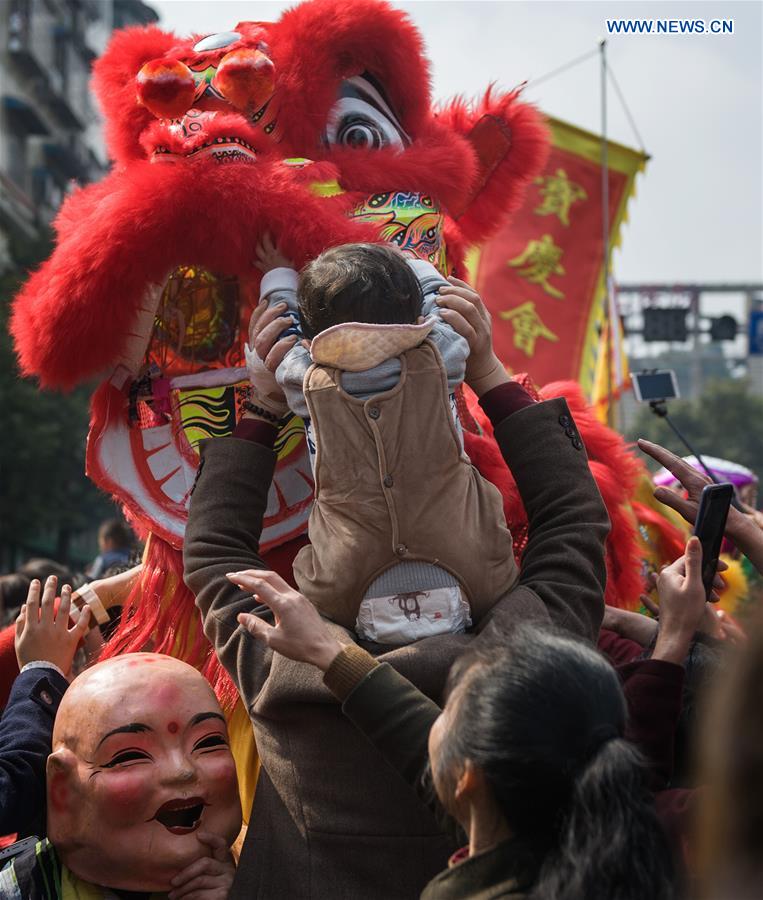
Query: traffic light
x,y
665,324
723,329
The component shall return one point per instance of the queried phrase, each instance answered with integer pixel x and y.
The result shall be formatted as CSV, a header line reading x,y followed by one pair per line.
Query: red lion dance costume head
x,y
319,129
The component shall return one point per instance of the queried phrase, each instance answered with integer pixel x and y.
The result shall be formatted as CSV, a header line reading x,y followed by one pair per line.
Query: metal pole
x,y
695,369
660,409
691,449
605,228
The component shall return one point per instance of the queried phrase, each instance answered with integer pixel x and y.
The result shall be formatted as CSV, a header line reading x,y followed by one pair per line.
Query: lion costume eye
x,y
362,118
363,130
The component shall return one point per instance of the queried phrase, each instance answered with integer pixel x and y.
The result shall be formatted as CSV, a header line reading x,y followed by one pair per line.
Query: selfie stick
x,y
660,409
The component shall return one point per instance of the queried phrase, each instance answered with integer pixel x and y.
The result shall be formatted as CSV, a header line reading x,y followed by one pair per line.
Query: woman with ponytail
x,y
527,756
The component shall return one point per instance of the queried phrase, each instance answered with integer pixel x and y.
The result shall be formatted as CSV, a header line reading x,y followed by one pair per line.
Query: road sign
x,y
756,333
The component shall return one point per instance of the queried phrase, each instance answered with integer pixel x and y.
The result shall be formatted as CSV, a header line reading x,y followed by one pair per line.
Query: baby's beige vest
x,y
392,484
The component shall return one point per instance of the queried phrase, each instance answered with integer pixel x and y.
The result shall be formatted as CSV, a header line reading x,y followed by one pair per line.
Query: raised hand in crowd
x,y
741,527
299,633
208,878
667,629
715,622
682,604
42,632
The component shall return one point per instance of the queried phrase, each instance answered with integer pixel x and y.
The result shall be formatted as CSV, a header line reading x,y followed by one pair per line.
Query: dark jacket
x,y
26,731
330,818
653,691
397,718
508,870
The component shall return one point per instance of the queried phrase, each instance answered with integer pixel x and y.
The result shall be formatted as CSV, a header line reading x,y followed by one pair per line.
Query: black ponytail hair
x,y
543,718
610,842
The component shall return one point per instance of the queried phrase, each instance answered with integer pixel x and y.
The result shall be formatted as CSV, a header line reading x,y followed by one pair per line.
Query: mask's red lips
x,y
181,816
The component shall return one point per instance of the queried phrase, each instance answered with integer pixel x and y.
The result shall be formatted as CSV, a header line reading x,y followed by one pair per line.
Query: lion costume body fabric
x,y
319,129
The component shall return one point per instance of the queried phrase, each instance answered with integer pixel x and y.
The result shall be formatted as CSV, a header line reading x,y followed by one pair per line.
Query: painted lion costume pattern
x,y
319,129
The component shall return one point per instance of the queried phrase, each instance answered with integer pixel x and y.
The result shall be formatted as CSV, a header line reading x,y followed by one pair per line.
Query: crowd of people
x,y
432,720
116,549
117,554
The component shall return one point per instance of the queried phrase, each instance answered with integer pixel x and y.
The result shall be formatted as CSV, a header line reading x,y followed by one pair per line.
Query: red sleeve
x,y
257,431
9,668
654,693
501,401
618,650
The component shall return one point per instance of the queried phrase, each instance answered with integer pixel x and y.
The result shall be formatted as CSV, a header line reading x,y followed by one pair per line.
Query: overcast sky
x,y
697,102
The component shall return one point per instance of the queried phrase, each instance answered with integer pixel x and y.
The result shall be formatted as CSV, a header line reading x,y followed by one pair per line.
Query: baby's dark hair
x,y
358,283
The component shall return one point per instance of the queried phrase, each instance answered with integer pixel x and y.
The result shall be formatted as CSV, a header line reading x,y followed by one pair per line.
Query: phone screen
x,y
655,385
710,526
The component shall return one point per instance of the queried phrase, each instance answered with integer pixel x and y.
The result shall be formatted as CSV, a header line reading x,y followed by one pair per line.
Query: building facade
x,y
50,130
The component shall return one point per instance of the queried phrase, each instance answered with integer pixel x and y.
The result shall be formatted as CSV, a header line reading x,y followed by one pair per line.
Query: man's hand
x,y
42,633
299,633
632,625
264,353
682,604
265,326
269,256
693,482
742,529
208,878
712,622
462,308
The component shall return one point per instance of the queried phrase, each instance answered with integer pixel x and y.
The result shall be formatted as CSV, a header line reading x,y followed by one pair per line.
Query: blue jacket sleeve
x,y
26,731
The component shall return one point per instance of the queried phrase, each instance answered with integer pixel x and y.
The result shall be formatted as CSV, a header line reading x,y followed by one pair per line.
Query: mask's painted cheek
x,y
217,772
218,765
125,796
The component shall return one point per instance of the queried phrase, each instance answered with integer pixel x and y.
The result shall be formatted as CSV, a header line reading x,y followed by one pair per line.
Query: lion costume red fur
x,y
318,128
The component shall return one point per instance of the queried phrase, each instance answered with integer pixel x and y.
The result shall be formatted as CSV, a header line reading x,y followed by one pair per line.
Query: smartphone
x,y
656,385
710,526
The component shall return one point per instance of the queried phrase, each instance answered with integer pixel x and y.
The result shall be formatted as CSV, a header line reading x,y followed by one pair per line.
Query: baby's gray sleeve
x,y
430,281
291,376
453,348
280,286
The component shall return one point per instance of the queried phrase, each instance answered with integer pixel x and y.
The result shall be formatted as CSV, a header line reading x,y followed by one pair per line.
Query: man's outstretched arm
x,y
224,526
227,512
563,564
563,571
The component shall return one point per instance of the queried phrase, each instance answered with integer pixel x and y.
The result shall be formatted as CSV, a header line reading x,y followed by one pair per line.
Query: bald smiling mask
x,y
140,762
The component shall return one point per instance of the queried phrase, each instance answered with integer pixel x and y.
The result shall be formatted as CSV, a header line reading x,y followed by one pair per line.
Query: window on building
x,y
18,24
16,149
61,59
